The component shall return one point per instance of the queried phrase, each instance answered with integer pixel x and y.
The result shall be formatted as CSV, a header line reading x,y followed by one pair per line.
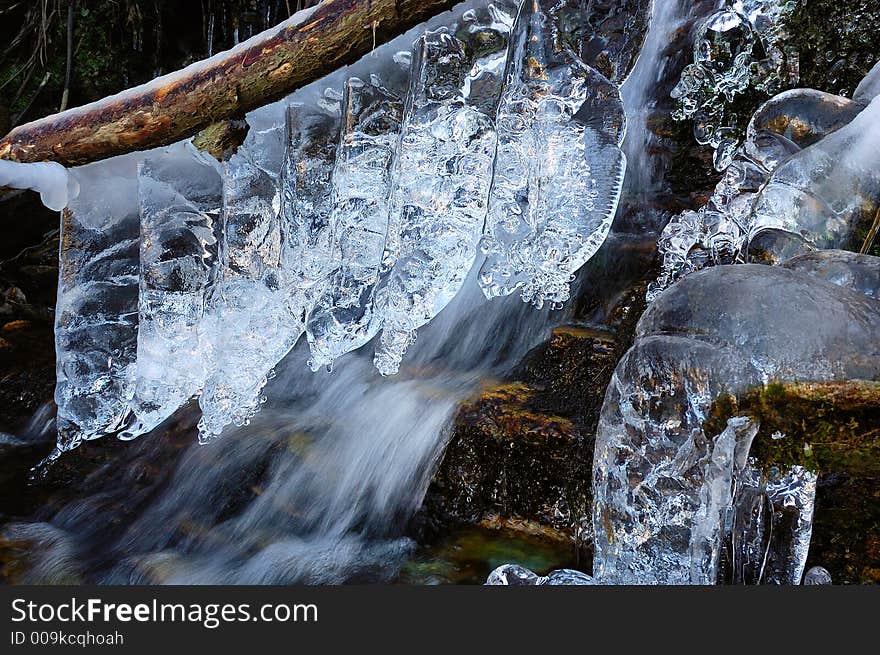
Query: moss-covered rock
x,y
837,42
831,428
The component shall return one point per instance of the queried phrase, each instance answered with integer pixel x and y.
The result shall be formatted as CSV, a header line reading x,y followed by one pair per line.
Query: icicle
x,y
442,176
180,194
96,315
559,168
273,267
344,317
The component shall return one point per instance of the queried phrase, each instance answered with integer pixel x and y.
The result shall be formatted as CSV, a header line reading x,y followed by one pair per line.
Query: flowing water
x,y
340,461
319,487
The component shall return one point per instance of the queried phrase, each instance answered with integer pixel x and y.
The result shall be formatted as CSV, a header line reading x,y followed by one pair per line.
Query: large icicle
x,y
344,317
559,168
442,175
96,316
273,269
180,193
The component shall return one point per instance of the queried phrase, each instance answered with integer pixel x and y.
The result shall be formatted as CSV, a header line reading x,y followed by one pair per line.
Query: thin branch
x,y
68,69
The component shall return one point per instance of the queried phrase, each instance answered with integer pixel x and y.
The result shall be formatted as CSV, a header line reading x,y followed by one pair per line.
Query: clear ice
x,y
442,177
180,195
96,315
516,575
276,259
725,66
739,222
344,317
558,169
817,575
828,191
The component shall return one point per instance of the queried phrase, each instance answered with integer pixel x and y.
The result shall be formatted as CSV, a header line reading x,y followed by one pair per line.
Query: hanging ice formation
x,y
349,212
740,47
559,167
441,180
775,199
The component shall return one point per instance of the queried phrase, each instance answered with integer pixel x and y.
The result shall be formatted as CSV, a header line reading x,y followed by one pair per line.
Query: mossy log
x,y
302,49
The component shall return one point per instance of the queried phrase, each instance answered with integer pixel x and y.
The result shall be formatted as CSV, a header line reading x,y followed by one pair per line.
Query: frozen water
x,y
656,469
651,460
516,575
725,66
559,167
771,526
828,191
568,577
276,266
442,177
96,314
722,230
344,317
869,87
180,195
817,575
725,464
51,180
860,273
513,575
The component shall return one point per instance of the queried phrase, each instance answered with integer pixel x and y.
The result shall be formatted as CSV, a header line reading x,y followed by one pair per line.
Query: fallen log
x,y
304,48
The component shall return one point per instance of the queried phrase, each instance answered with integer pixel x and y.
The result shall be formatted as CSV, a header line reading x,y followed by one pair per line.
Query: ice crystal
x,y
739,48
559,168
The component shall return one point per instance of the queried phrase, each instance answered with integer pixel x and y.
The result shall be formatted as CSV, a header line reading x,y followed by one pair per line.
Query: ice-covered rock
x,y
827,191
513,575
728,229
869,87
659,476
559,167
568,577
860,273
817,575
516,575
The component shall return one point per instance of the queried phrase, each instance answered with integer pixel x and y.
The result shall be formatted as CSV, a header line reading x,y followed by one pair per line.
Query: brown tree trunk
x,y
176,106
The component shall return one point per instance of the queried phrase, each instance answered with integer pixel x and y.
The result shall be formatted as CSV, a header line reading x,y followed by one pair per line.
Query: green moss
x,y
827,427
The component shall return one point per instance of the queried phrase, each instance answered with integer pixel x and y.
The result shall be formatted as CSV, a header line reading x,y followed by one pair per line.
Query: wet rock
x,y
520,456
791,354
38,553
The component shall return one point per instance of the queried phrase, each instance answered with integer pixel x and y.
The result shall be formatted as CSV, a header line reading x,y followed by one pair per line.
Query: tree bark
x,y
266,68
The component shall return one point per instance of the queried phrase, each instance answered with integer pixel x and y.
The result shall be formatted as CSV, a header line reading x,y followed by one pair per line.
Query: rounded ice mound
x,y
51,180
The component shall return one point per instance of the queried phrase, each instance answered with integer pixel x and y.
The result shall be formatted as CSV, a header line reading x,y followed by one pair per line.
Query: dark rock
x,y
521,452
838,42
